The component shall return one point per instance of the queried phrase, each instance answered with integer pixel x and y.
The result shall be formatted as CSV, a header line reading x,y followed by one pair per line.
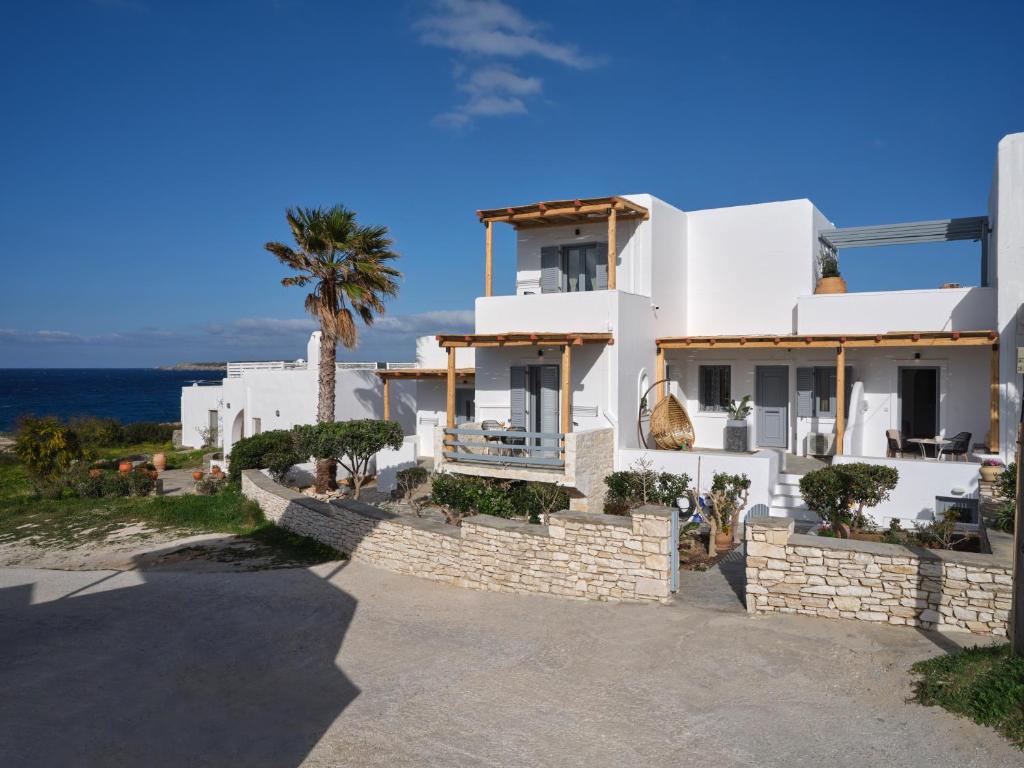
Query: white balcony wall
x,y
430,354
747,265
583,312
196,404
939,309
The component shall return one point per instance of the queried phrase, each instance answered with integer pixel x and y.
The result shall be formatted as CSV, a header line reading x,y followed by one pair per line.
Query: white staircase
x,y
786,500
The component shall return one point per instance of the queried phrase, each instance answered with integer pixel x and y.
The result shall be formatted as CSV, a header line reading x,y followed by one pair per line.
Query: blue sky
x,y
148,149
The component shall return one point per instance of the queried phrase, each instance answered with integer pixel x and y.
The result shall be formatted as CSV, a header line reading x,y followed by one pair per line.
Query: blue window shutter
x,y
804,392
549,402
550,269
517,392
601,267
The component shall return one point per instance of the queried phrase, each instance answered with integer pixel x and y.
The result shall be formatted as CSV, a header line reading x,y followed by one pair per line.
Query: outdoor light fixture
x,y
277,413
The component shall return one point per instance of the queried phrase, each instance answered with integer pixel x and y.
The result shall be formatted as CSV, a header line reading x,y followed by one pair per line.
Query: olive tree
x,y
351,443
840,493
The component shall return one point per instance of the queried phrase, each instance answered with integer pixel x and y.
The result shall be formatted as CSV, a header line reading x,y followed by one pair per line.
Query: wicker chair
x,y
894,440
671,427
958,446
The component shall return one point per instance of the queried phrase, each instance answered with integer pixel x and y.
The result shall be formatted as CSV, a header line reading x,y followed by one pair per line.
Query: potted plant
x,y
829,280
991,469
160,461
736,425
197,475
124,467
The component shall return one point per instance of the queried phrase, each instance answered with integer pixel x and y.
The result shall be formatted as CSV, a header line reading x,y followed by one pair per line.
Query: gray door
x,y
772,406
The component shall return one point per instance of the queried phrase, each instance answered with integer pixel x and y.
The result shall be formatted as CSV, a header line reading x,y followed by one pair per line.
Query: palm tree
x,y
348,267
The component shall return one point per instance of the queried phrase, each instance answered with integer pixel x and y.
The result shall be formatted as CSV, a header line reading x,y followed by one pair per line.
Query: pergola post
x,y
488,258
840,398
450,400
387,399
566,392
993,401
613,251
660,376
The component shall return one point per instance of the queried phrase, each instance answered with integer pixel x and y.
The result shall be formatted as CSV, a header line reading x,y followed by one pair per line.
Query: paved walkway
x,y
356,666
177,481
719,588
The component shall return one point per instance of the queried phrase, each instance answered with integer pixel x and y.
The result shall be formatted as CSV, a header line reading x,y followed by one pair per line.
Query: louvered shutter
x,y
804,392
549,405
550,269
517,392
601,267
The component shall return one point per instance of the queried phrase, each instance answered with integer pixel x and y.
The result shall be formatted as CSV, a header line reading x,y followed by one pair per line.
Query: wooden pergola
x,y
560,213
565,341
416,373
840,343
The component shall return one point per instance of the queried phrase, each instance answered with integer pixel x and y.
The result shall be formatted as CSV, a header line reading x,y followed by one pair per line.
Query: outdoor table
x,y
938,442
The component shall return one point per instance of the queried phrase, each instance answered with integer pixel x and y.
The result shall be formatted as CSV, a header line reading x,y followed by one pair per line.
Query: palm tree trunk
x,y
326,469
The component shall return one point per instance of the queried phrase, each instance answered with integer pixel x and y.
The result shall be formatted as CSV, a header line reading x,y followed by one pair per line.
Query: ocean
x,y
126,394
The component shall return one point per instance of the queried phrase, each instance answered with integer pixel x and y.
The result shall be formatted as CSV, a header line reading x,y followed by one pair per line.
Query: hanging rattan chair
x,y
671,427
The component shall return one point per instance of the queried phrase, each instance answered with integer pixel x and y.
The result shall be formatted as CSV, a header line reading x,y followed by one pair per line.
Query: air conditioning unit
x,y
820,444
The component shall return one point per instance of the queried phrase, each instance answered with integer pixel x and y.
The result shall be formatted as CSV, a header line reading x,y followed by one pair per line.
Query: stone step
x,y
788,502
786,489
788,478
796,513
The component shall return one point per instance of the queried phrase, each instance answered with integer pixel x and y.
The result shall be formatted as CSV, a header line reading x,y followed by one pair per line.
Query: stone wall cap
x,y
652,510
592,518
778,523
897,550
505,524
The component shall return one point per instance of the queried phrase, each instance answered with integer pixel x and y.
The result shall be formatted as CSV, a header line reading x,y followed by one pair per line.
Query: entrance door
x,y
772,406
534,398
919,402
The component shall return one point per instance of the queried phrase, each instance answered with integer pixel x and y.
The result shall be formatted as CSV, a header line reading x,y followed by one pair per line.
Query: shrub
x,y
210,486
46,447
1006,484
641,485
147,432
407,482
275,450
840,493
352,443
115,484
1004,518
461,496
97,432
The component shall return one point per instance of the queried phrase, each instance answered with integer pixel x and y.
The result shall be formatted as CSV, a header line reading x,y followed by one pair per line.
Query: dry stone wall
x,y
867,581
579,555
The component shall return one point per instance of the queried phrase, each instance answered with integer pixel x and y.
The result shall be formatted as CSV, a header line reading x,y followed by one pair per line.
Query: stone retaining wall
x,y
580,555
867,581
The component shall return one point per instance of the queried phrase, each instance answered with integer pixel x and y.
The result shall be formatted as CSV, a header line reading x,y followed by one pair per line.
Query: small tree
x,y
46,447
726,500
840,493
549,498
352,443
407,482
640,485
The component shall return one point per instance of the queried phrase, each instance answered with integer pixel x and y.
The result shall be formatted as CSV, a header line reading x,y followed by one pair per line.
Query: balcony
x,y
941,309
505,448
581,312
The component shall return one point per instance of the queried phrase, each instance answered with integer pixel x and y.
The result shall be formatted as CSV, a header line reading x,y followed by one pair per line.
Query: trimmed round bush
x,y
275,450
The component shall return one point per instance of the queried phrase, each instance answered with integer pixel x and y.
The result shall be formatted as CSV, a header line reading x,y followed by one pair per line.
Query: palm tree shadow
x,y
180,669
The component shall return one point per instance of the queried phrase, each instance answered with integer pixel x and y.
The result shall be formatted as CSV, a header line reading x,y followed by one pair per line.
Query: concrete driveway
x,y
351,665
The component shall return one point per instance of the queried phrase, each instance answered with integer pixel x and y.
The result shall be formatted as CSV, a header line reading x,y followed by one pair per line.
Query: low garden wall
x,y
868,581
580,555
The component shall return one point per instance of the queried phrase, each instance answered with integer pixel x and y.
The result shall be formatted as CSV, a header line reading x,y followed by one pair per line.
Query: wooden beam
x,y
387,399
450,400
993,401
659,375
613,251
863,341
489,259
567,388
840,398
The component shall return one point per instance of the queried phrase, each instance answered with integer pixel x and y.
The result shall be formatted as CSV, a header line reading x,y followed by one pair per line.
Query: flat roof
x,y
523,339
561,212
424,373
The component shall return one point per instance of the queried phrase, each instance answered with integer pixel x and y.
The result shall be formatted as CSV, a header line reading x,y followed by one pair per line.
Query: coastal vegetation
x,y
347,266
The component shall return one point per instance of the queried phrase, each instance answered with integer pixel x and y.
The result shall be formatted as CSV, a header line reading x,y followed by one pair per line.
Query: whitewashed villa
x,y
615,294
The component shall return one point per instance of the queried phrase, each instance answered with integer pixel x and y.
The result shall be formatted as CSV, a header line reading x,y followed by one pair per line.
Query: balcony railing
x,y
235,369
504,447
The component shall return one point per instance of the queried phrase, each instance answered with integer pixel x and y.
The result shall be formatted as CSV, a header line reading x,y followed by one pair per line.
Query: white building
x,y
615,294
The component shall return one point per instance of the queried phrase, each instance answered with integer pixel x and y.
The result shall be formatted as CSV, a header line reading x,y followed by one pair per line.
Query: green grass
x,y
985,684
176,459
25,516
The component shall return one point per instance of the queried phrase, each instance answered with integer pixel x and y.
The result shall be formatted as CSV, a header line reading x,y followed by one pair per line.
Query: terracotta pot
x,y
216,472
197,475
153,474
124,466
991,474
160,461
723,540
830,285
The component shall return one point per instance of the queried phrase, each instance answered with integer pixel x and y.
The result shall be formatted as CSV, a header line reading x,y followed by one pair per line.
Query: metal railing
x,y
505,447
235,369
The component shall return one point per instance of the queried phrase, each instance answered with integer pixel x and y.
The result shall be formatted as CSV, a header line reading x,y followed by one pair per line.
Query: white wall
x,y
919,483
430,354
632,355
747,265
388,463
577,312
1006,270
196,403
940,309
762,468
669,291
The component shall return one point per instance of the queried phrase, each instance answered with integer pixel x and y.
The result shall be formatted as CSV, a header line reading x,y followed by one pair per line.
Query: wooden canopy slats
x,y
523,339
556,212
849,340
424,373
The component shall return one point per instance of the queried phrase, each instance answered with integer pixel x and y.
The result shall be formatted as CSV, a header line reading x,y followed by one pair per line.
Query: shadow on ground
x,y
139,668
